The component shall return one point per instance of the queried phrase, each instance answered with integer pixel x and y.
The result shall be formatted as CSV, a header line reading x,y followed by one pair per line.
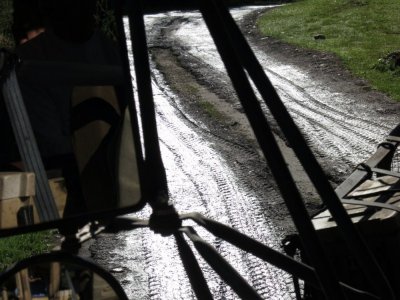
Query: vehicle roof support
x,y
158,191
356,243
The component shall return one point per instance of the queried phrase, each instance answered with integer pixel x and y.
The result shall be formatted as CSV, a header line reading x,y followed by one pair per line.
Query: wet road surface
x,y
201,179
338,126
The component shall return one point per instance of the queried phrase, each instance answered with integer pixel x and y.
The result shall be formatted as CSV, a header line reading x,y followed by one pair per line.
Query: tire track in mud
x,y
245,215
348,135
200,180
343,140
327,108
226,205
234,211
337,126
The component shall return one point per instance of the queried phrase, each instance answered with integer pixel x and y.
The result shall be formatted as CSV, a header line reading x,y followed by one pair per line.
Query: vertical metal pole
x,y
128,88
153,161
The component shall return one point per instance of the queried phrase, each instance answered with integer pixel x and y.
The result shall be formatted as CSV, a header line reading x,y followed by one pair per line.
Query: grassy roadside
x,y
360,32
5,24
15,248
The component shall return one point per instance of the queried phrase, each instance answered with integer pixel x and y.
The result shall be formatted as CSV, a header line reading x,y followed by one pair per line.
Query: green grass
x,y
15,248
5,24
360,32
210,110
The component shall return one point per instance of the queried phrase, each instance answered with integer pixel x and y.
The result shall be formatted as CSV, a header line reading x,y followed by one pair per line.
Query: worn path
x,y
213,164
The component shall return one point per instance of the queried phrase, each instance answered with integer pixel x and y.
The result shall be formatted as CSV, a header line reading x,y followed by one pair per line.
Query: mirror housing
x,y
107,179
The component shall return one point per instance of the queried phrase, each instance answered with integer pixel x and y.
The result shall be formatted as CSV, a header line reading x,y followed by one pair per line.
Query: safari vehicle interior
x,y
103,146
120,170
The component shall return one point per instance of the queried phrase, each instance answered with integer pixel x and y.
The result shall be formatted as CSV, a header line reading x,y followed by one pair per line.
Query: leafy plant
x,y
105,19
6,40
389,63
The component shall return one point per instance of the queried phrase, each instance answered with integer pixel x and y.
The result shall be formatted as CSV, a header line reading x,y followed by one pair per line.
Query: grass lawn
x,y
360,32
15,248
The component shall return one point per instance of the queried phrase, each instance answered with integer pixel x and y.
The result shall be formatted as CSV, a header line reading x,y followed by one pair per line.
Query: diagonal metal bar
x,y
269,255
365,257
27,146
256,248
268,145
193,270
221,266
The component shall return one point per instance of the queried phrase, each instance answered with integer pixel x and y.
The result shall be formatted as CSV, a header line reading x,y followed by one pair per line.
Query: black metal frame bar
x,y
28,148
156,180
356,243
226,47
354,240
215,260
249,245
63,257
193,270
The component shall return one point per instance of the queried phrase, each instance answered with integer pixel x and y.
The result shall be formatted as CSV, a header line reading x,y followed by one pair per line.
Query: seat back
x,y
104,148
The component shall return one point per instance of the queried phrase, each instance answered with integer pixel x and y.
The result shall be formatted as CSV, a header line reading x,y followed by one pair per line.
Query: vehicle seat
x,y
104,148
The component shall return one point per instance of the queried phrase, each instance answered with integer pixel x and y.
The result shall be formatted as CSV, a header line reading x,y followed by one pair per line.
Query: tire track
x,y
336,126
200,179
231,203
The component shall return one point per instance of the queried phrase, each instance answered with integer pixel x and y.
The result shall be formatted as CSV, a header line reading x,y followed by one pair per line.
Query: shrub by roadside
x,y
389,63
6,40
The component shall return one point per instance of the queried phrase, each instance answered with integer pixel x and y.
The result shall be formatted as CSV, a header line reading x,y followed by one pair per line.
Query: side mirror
x,y
84,95
100,176
59,276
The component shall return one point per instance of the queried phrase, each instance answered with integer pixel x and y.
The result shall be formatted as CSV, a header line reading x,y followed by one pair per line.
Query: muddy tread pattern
x,y
200,179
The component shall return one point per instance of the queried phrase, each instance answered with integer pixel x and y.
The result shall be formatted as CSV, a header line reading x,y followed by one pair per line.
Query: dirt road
x,y
213,164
